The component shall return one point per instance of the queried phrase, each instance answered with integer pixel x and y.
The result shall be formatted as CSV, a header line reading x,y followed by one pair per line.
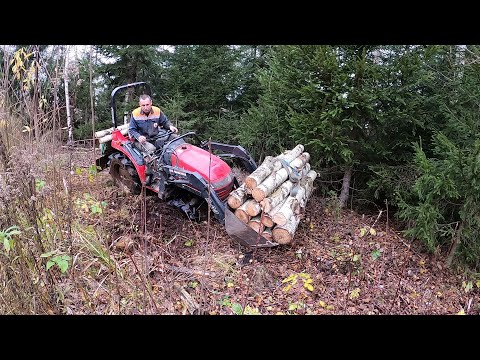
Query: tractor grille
x,y
224,192
226,187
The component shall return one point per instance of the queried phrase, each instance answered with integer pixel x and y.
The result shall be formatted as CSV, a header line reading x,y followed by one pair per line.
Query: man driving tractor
x,y
146,122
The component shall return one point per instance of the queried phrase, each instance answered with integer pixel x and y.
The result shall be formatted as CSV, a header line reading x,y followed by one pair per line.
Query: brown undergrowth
x,y
110,252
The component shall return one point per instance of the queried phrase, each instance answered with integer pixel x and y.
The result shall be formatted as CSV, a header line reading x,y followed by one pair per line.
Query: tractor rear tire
x,y
124,173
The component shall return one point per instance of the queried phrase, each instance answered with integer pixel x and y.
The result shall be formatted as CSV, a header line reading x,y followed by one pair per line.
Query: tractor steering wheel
x,y
163,135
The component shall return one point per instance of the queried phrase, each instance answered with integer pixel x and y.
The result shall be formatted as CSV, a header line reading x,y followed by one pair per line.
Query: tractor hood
x,y
210,167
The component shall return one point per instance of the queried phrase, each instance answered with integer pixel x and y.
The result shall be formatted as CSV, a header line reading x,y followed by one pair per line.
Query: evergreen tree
x,y
446,205
205,78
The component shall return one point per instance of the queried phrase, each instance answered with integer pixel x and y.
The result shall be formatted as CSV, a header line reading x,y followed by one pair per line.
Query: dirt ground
x,y
340,262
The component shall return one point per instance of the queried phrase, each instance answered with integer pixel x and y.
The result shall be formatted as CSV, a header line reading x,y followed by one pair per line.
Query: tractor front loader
x,y
184,175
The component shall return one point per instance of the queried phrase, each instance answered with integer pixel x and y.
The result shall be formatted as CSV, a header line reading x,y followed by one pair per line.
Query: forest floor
x,y
340,262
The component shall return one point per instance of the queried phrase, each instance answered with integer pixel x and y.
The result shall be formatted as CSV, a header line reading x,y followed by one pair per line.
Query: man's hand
x,y
173,129
142,139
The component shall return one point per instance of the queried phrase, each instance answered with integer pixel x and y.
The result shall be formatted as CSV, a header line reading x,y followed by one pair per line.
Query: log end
x,y
279,219
233,202
282,236
256,226
267,221
267,235
250,183
258,194
242,215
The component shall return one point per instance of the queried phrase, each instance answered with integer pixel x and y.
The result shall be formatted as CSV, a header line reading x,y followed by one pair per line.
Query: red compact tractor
x,y
184,175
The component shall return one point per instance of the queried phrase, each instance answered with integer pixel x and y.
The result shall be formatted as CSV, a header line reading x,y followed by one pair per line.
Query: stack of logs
x,y
104,136
269,201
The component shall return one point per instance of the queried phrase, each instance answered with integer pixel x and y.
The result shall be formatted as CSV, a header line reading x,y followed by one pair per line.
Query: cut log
x,y
267,219
310,178
253,207
256,177
241,213
256,224
289,207
267,233
277,196
271,164
293,204
276,178
101,133
283,234
237,197
288,156
108,138
281,193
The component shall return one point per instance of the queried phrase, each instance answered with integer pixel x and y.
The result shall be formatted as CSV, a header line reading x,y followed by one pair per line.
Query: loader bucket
x,y
243,233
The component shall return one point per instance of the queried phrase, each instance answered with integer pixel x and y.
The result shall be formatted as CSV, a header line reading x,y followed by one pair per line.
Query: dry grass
x,y
121,261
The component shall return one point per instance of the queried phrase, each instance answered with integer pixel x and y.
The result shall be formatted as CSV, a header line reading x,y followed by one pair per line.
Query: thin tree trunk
x,y
460,60
36,125
453,249
347,177
91,98
67,99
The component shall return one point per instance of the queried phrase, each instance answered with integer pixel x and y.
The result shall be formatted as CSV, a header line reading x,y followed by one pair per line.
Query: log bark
x,y
277,196
102,133
288,155
456,242
253,207
192,306
241,213
280,195
289,207
343,198
237,197
283,234
311,176
267,219
276,178
292,205
271,164
257,176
